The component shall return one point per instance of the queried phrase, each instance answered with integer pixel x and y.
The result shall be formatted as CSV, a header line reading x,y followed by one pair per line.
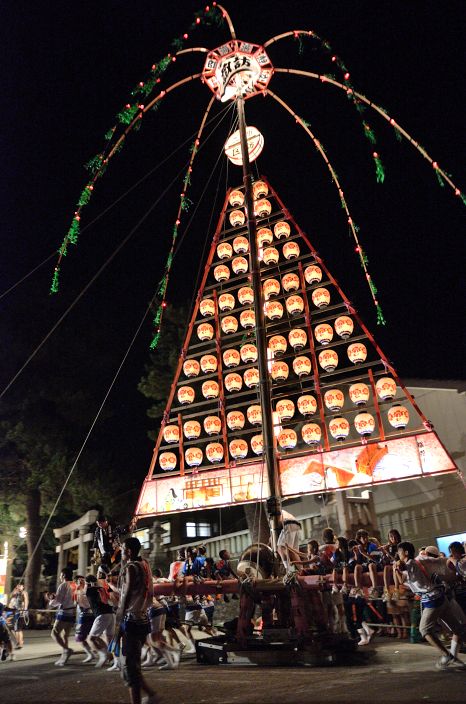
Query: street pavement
x,y
399,672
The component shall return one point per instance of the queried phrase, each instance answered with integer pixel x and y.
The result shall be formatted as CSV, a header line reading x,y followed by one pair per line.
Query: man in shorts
x,y
103,628
288,540
64,602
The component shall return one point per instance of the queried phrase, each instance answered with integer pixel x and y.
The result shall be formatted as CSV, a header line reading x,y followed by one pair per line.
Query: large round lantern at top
x,y
307,405
191,367
239,265
271,288
231,358
321,297
386,388
311,433
262,208
254,414
221,273
247,319
237,218
264,236
224,250
212,425
193,456
290,282
328,360
279,371
285,408
297,339
344,326
167,461
364,423
209,363
245,295
210,389
277,345
248,353
214,452
323,333
274,310
251,378
229,324
339,428
236,198
233,382
287,439
207,307
302,366
226,302
270,255
291,250
398,416
294,305
238,448
241,245
191,429
171,433
281,229
186,395
205,331
357,353
313,274
235,420
359,393
259,189
334,399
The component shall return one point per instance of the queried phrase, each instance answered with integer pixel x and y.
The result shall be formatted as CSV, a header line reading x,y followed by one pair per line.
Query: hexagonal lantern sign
x,y
237,67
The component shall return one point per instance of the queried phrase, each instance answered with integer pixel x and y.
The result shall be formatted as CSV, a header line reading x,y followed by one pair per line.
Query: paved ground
x,y
399,672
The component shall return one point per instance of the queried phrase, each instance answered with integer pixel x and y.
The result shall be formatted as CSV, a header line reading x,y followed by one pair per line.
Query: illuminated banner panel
x,y
405,458
215,487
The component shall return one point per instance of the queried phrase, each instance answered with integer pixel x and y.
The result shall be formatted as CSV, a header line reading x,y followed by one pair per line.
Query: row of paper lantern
x,y
270,255
259,190
264,235
262,208
311,433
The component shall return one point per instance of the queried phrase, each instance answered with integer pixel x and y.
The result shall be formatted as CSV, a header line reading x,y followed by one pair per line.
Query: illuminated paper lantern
x,y
237,218
193,456
274,310
386,388
359,393
262,208
186,395
239,265
257,444
226,302
254,414
277,345
287,439
233,382
221,273
281,229
191,367
328,360
251,377
207,307
270,256
246,296
210,389
259,189
271,288
398,416
291,250
241,245
191,429
294,305
224,250
236,198
323,333
171,433
238,448
313,274
235,420
285,408
231,358
344,326
214,452
307,405
297,339
167,461
254,138
334,399
209,364
247,319
321,297
339,428
280,371
357,352
264,236
248,353
229,324
205,331
364,423
290,282
311,433
212,425
302,366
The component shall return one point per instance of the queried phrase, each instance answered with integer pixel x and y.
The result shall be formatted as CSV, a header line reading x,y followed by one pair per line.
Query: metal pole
x,y
274,501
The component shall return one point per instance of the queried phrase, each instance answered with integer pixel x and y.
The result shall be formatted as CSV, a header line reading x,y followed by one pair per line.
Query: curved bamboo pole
x,y
391,121
291,33
202,49
227,17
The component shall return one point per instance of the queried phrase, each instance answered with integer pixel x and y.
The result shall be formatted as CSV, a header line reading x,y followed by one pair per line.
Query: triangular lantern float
x,y
342,418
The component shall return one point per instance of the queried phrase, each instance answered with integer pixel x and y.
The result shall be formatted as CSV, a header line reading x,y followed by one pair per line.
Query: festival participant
x,y
101,602
19,601
224,570
173,623
365,562
390,550
425,577
339,560
6,646
135,600
177,565
288,540
106,541
457,562
158,650
64,602
187,569
327,549
84,618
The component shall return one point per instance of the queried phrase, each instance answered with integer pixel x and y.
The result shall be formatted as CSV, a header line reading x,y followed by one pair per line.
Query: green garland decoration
x,y
379,169
439,178
55,280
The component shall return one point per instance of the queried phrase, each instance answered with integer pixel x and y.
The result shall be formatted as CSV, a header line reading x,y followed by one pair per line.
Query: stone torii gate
x,y
77,534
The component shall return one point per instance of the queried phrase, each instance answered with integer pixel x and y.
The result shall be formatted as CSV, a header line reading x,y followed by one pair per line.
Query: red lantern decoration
x,y
271,288
171,433
231,358
221,273
313,274
359,393
237,218
307,405
344,326
270,256
239,265
241,245
311,433
247,319
328,360
291,250
233,383
224,250
357,353
205,331
167,461
302,366
297,339
186,395
209,364
235,420
207,307
246,296
191,367
254,414
287,439
277,345
285,409
191,429
386,388
281,229
229,324
248,353
214,452
339,428
364,423
226,302
212,425
210,389
251,378
321,297
398,416
323,333
193,456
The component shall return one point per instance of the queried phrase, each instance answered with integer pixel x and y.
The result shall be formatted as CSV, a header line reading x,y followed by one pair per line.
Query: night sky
x,y
68,68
